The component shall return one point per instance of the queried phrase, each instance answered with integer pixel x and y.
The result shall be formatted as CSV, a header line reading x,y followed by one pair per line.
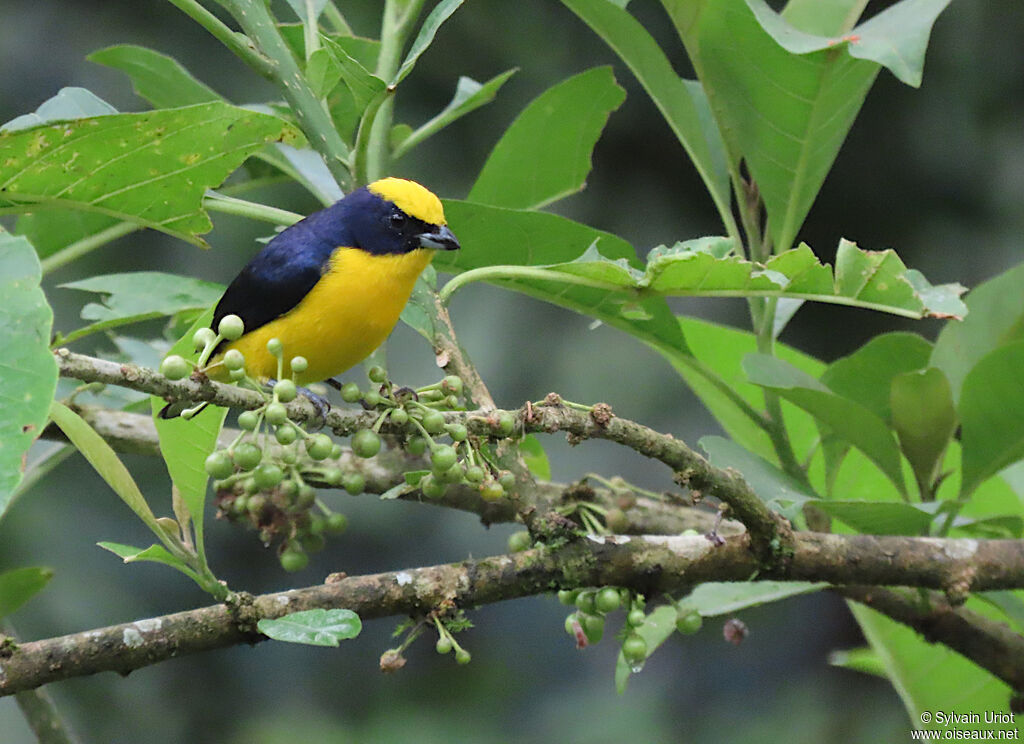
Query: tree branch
x,y
652,565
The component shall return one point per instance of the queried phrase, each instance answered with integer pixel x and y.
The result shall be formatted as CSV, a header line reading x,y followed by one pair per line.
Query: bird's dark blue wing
x,y
279,276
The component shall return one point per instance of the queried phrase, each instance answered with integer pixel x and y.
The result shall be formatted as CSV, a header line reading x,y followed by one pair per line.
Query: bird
x,y
331,287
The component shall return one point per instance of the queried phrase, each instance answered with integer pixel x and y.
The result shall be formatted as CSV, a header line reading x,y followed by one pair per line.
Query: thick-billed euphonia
x,y
331,287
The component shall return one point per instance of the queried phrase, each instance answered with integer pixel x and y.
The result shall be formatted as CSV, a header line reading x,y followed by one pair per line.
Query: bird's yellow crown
x,y
411,198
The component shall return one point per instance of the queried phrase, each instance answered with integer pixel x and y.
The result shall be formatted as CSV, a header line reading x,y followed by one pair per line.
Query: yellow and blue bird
x,y
332,286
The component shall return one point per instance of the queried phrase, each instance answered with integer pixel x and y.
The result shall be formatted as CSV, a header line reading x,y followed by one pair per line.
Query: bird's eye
x,y
397,219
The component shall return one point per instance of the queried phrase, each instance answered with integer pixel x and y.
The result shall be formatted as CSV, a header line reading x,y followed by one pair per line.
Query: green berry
x,y
247,455
372,398
593,627
475,474
506,423
457,432
635,618
248,420
275,348
218,464
276,414
268,475
286,434
332,476
299,364
293,560
350,392
335,451
462,656
233,360
256,501
365,443
336,523
240,505
442,457
416,446
354,483
399,417
491,490
507,480
451,402
570,623
250,487
585,602
317,525
689,623
306,497
607,600
433,422
377,374
231,327
175,367
285,391
568,596
237,374
431,487
312,543
452,384
443,645
203,338
616,520
519,541
290,489
634,649
455,474
319,447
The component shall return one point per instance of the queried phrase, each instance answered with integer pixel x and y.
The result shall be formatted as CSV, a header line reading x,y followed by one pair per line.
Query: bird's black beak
x,y
439,239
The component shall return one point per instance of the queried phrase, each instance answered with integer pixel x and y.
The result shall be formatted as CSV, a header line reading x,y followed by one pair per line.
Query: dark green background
x,y
937,174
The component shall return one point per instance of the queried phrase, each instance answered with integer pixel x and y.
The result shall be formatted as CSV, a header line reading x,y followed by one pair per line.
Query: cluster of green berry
x,y
416,418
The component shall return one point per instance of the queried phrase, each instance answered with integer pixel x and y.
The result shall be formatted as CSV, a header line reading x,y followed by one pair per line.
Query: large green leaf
x,y
991,402
925,421
155,77
996,317
151,169
842,417
186,443
785,100
492,235
545,154
866,375
683,103
930,677
363,84
29,369
724,598
19,585
140,295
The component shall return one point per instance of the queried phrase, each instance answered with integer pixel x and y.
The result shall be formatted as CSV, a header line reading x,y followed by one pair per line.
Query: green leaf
x,y
418,312
866,375
19,585
363,84
152,554
185,444
532,452
155,77
784,104
29,369
545,154
996,318
658,626
323,72
140,295
441,13
151,169
317,627
879,517
925,421
931,677
69,103
469,96
845,418
52,230
491,235
864,660
777,489
721,350
104,460
725,598
683,104
992,398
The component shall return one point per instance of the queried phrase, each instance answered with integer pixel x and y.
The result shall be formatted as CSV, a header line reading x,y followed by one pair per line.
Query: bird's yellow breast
x,y
343,318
